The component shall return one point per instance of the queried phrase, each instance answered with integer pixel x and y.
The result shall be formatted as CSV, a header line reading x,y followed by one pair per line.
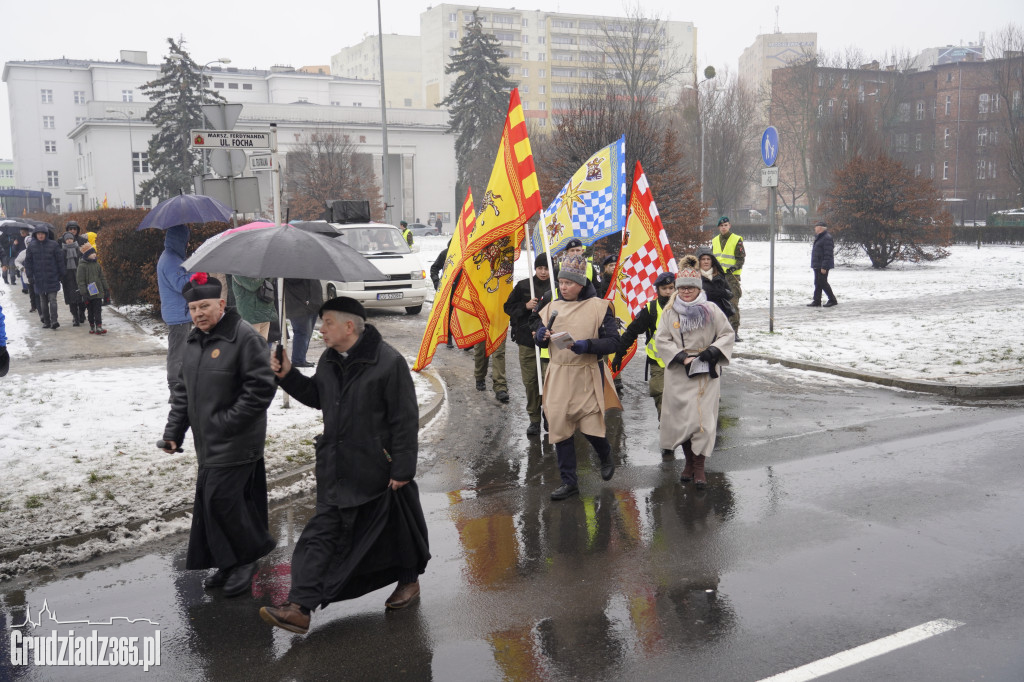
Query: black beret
x,y
201,286
343,304
609,259
573,243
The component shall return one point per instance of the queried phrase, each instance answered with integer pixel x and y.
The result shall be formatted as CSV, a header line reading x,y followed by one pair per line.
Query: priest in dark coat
x,y
223,391
368,530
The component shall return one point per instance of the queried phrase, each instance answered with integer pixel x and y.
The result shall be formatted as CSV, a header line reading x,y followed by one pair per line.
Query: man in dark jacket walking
x,y
223,392
519,306
822,260
44,265
302,301
368,530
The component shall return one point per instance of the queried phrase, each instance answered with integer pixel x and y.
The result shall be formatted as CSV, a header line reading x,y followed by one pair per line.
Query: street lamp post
x,y
709,73
131,147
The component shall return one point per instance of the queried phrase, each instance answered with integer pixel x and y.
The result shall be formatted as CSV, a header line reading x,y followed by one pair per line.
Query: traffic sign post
x,y
770,180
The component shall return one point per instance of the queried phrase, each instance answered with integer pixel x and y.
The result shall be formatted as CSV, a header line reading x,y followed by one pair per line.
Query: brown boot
x,y
688,469
403,595
698,472
288,616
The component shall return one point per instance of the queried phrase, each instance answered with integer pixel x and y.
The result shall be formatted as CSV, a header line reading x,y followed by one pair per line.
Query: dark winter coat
x,y
822,253
44,265
225,388
515,307
171,277
717,288
302,297
371,420
90,272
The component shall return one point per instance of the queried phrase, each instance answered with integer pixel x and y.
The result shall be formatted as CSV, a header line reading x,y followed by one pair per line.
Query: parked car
x,y
405,281
421,230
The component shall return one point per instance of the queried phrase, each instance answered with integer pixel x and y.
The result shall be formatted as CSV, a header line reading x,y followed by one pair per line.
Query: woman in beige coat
x,y
574,382
694,339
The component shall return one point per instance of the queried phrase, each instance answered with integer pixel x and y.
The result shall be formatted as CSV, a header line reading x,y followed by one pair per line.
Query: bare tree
x,y
326,166
1007,78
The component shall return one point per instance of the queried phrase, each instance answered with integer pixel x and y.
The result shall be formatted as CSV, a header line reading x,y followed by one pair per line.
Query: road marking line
x,y
845,659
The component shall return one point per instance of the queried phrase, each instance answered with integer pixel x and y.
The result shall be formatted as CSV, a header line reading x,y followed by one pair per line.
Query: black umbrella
x,y
184,209
13,228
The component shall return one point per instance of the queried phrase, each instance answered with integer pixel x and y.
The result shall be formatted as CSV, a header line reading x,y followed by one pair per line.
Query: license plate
x,y
390,296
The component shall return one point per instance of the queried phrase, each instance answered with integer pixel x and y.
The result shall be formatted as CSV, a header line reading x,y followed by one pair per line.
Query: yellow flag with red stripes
x,y
511,199
437,330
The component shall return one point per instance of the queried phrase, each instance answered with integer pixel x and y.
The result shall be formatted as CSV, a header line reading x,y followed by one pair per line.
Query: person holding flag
x,y
520,304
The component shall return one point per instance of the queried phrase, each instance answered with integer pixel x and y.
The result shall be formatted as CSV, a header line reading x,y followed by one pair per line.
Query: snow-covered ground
x,y
77,446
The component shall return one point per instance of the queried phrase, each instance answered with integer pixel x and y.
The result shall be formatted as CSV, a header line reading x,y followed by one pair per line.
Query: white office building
x,y
79,132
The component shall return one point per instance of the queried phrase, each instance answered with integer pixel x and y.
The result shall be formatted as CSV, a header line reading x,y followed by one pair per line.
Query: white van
x,y
405,283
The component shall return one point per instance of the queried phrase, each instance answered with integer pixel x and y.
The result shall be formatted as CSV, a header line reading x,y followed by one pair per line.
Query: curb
x,y
936,387
283,480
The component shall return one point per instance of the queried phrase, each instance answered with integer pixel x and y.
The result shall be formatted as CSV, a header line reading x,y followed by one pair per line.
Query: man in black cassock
x,y
224,389
368,530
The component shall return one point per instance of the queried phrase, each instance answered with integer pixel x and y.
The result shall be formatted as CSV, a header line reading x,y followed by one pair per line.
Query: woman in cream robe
x,y
689,329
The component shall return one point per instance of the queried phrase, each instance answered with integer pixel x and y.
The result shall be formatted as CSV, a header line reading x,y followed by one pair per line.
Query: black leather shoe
x,y
737,339
830,304
212,582
607,471
54,325
564,491
533,429
812,304
240,580
502,396
481,385
303,364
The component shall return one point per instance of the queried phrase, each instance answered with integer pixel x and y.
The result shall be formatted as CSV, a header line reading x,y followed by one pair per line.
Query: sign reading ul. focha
x,y
230,139
770,146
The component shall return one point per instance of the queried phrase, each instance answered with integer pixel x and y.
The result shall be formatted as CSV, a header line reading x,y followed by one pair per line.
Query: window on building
x,y
526,105
561,23
541,40
357,104
931,171
525,72
903,112
860,92
526,39
408,101
542,122
453,35
981,170
949,104
79,96
232,86
362,139
945,170
949,77
303,100
55,202
946,137
46,96
526,56
79,120
218,84
542,57
543,90
992,165
524,89
846,109
831,106
1016,100
247,86
821,110
844,141
542,105
335,103
821,80
50,146
49,122
982,136
541,72
453,17
127,95
525,22
917,170
846,81
917,142
920,110
140,162
983,103
995,103
52,179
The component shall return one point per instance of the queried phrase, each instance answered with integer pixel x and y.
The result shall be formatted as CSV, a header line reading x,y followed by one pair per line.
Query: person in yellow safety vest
x,y
728,249
646,321
406,232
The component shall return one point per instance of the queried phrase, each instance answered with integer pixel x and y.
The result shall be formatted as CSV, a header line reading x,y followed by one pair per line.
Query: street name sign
x,y
261,162
229,139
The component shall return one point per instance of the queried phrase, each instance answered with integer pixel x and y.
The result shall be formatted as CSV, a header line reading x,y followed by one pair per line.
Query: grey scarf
x,y
692,315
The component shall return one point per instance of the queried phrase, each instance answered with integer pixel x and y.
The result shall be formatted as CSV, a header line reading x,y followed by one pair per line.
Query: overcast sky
x,y
258,33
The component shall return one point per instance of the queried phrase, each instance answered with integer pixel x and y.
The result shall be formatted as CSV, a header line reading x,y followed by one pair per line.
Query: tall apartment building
x,y
403,74
946,123
948,54
771,51
548,53
6,173
79,132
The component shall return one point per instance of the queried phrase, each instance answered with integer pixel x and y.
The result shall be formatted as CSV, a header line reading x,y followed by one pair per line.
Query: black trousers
x,y
565,451
94,306
821,284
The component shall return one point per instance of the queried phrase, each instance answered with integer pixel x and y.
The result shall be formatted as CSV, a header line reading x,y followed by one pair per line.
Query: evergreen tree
x,y
477,105
178,95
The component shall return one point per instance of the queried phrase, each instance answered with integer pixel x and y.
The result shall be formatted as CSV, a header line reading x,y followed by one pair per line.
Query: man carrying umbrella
x,y
368,530
224,388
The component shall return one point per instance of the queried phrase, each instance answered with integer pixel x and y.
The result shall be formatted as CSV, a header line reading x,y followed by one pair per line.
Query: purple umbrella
x,y
184,209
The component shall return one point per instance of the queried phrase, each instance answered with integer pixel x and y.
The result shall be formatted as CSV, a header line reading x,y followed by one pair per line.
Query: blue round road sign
x,y
770,146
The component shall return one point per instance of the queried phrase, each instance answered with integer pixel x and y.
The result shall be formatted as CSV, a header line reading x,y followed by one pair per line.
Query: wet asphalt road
x,y
836,514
